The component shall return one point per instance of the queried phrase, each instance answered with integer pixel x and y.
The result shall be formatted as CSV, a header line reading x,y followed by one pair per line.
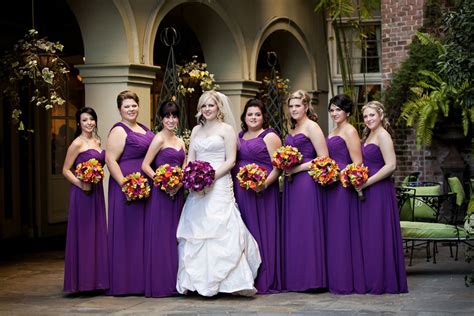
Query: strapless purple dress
x,y
85,263
303,240
380,230
161,220
343,240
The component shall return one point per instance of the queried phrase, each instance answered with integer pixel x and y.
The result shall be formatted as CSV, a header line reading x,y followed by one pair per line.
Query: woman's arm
x,y
151,153
273,142
191,152
385,144
351,137
71,155
230,150
115,147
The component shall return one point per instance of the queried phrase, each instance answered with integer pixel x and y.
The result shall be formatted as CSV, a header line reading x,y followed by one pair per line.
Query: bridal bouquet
x,y
197,175
252,176
286,157
135,186
168,177
356,175
89,171
324,170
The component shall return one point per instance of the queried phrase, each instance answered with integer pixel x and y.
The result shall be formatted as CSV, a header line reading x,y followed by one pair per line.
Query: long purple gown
x,y
127,221
161,245
380,230
85,263
343,241
261,214
303,238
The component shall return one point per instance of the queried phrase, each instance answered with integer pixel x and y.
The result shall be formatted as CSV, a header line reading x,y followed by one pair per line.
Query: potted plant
x,y
34,75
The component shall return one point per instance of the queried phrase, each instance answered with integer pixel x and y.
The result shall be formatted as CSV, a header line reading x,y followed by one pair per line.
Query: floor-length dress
x,y
261,213
85,263
216,251
380,230
343,241
161,220
303,240
127,221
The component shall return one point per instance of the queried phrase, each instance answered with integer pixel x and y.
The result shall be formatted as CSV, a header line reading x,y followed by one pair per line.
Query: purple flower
x,y
198,175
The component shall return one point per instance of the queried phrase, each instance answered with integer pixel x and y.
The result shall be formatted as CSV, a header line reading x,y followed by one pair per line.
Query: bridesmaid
x,y
126,147
163,212
379,222
85,263
261,213
343,243
303,240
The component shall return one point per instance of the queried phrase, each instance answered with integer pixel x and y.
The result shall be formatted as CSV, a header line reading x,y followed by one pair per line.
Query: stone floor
x,y
31,284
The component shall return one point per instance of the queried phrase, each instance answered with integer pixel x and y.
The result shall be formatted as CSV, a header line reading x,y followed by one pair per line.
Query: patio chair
x,y
421,230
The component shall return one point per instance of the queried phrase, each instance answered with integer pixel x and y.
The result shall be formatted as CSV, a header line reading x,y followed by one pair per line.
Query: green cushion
x,y
456,187
423,230
470,207
422,211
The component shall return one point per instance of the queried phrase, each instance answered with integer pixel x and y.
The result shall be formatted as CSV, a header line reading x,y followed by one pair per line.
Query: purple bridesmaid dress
x,y
85,263
303,240
127,221
161,245
343,241
380,230
261,214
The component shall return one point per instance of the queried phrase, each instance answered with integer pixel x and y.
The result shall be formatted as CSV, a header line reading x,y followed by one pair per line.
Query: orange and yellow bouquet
x,y
89,171
252,176
168,177
324,170
356,175
135,186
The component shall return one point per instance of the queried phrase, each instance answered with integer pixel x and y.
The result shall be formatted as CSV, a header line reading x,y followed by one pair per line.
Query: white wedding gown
x,y
217,253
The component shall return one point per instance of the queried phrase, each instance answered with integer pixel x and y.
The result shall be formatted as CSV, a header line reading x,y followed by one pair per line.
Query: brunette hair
x,y
377,106
306,100
254,102
124,95
81,111
343,102
166,108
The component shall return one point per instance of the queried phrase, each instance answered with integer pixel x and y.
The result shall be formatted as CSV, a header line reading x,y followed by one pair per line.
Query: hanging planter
x,y
194,76
33,71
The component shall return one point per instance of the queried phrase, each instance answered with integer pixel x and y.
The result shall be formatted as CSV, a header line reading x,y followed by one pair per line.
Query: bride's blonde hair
x,y
211,94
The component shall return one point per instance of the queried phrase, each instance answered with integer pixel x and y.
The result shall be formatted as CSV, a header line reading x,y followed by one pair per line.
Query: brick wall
x,y
400,20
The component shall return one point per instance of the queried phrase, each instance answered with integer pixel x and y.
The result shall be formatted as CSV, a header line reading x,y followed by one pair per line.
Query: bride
x,y
216,251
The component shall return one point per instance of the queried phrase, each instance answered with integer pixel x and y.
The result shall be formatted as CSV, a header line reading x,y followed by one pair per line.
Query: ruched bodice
x,y
171,156
304,145
90,154
254,151
339,151
373,158
210,149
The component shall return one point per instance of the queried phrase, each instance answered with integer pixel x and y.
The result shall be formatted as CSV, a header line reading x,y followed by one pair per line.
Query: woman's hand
x,y
86,186
174,190
261,187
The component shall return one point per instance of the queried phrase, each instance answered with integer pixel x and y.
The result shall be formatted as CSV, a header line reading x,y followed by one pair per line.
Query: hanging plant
x,y
194,74
33,70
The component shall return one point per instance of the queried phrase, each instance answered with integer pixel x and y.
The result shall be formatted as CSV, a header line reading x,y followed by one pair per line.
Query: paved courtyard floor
x,y
31,284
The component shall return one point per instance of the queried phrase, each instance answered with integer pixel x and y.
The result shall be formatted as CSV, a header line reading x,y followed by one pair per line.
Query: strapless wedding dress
x,y
217,253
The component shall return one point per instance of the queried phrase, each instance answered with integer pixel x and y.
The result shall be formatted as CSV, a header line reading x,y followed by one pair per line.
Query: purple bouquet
x,y
198,175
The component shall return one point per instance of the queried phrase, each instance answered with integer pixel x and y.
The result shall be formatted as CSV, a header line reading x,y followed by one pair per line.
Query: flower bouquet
x,y
286,157
168,178
252,176
355,174
197,175
135,186
324,170
89,171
